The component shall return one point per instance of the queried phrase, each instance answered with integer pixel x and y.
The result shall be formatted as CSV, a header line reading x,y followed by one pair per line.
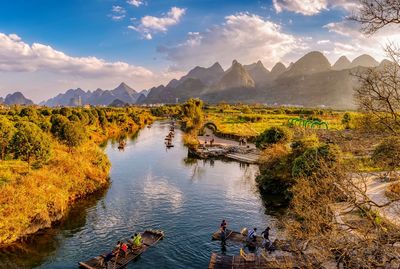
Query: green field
x,y
250,121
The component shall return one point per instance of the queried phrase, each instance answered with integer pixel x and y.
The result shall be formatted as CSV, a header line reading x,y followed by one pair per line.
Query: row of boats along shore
x,y
170,136
256,251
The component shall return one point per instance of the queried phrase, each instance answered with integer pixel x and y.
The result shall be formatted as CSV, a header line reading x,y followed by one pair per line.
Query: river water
x,y
152,188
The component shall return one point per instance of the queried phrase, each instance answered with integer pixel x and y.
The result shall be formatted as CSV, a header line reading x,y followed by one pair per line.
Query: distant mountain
x,y
342,63
188,88
117,103
310,63
235,77
385,63
144,92
17,98
364,61
277,70
258,73
207,76
141,99
1,100
77,97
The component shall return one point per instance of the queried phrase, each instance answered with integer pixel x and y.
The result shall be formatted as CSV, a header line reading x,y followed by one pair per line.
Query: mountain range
x,y
310,81
16,98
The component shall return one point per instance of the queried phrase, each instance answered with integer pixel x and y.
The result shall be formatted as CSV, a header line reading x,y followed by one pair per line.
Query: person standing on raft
x,y
252,236
136,241
223,230
265,235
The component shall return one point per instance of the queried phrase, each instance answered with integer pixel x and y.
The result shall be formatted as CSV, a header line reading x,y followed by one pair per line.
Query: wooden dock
x,y
252,158
264,261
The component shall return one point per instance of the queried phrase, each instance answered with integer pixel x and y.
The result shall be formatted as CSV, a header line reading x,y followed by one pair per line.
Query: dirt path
x,y
376,189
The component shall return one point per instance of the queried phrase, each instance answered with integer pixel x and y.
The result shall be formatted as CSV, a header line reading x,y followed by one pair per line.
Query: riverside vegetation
x,y
51,157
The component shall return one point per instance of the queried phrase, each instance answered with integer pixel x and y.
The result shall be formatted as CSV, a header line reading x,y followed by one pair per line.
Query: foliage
x,y
192,115
6,133
346,120
73,134
309,163
30,143
273,135
387,154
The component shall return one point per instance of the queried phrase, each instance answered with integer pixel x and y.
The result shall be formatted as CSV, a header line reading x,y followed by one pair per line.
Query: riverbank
x,y
34,197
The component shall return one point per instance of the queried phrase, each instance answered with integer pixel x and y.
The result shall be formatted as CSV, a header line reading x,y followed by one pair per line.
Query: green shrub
x,y
311,161
272,136
387,154
30,143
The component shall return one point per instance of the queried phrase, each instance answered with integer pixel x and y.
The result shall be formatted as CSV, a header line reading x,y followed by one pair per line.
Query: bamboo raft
x,y
235,236
219,261
149,237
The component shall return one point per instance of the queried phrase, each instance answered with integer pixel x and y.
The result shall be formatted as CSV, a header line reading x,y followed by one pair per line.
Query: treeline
x,y
28,133
51,157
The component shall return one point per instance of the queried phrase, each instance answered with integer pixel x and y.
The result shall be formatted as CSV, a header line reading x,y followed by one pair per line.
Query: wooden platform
x,y
219,261
251,158
149,238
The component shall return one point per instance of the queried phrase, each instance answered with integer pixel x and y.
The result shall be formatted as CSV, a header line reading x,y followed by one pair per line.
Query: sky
x,y
48,47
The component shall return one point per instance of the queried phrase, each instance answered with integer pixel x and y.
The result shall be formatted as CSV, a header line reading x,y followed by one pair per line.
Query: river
x,y
152,188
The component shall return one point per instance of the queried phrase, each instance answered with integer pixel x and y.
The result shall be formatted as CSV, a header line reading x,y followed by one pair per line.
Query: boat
x,y
121,145
149,237
235,236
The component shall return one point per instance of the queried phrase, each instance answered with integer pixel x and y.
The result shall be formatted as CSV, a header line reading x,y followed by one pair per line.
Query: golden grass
x,y
33,199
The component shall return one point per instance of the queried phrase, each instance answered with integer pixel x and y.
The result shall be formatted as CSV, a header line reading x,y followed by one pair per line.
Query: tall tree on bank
x,y
6,133
30,143
379,92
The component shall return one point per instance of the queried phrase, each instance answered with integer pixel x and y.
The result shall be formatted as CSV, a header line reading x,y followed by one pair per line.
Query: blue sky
x,y
49,46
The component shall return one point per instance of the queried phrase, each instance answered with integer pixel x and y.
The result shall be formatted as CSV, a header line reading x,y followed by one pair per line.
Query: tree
x,y
6,133
376,14
346,120
272,136
72,134
57,123
192,117
379,93
30,143
387,154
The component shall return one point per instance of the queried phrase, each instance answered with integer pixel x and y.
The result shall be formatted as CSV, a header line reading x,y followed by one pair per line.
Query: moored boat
x,y
235,236
149,238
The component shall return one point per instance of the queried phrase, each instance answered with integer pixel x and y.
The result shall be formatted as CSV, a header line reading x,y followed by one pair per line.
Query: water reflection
x,y
37,248
159,190
154,188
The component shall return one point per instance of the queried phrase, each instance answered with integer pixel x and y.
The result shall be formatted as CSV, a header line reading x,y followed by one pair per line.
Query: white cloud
x,y
305,7
117,13
118,10
18,56
313,7
351,42
135,3
150,24
324,41
245,37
